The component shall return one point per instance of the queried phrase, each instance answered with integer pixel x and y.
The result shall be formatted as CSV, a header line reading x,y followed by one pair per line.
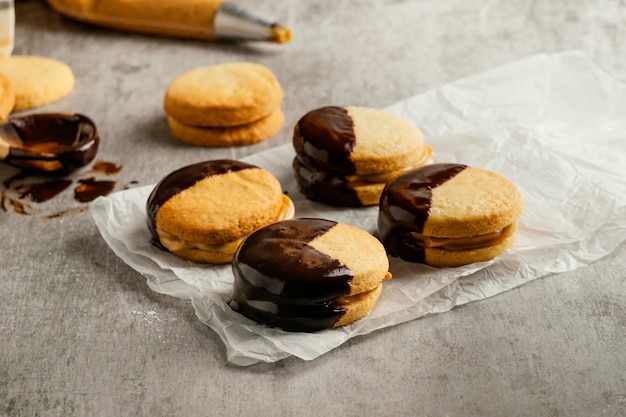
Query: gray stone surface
x,y
82,334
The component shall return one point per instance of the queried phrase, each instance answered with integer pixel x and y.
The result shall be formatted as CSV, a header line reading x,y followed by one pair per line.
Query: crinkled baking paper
x,y
553,124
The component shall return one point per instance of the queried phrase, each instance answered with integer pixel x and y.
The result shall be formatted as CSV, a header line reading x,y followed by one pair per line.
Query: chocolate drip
x,y
404,207
282,281
64,142
326,187
324,139
182,179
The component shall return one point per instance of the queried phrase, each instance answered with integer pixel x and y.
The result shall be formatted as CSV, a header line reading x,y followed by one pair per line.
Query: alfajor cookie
x,y
308,274
250,133
449,215
223,95
203,211
7,97
36,80
346,155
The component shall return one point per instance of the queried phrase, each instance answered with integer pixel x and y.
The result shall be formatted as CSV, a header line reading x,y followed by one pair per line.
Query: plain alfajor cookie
x,y
223,95
346,155
308,274
202,211
36,80
449,215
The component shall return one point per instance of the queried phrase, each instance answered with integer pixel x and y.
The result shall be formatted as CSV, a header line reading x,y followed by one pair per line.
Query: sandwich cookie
x,y
308,274
36,80
346,155
203,211
230,104
449,215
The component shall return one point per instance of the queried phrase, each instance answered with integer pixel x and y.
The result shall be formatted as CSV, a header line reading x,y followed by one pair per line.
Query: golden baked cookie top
x,y
223,95
36,80
215,202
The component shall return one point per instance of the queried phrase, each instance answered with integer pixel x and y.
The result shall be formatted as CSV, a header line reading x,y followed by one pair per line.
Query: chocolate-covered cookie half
x,y
449,215
308,274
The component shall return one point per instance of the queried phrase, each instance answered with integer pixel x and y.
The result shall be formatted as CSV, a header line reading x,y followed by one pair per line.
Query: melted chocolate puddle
x,y
50,143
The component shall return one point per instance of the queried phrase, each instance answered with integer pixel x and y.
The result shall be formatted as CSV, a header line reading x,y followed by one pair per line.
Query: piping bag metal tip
x,y
234,22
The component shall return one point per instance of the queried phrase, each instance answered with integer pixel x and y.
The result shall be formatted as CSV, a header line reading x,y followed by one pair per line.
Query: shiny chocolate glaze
x,y
182,179
324,186
324,139
282,281
55,143
405,205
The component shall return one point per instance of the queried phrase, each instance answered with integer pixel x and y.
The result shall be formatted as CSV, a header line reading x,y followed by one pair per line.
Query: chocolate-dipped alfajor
x,y
449,215
346,155
308,274
203,211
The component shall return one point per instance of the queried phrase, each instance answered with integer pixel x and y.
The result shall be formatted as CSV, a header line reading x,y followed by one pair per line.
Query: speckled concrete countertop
x,y
82,334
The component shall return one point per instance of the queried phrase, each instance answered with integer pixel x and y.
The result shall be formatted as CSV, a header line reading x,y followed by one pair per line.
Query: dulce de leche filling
x,y
464,243
352,181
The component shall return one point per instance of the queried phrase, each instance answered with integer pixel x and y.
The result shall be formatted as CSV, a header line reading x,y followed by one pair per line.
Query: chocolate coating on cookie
x,y
325,139
404,207
328,187
282,281
182,179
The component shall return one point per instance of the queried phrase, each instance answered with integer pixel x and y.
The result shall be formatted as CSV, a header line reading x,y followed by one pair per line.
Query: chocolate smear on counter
x,y
67,211
43,191
26,185
89,189
107,168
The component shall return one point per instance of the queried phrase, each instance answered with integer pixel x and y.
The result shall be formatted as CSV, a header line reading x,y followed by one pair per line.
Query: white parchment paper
x,y
553,124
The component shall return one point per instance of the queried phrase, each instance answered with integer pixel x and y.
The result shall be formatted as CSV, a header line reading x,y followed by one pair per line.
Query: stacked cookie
x,y
345,155
308,274
228,104
449,214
